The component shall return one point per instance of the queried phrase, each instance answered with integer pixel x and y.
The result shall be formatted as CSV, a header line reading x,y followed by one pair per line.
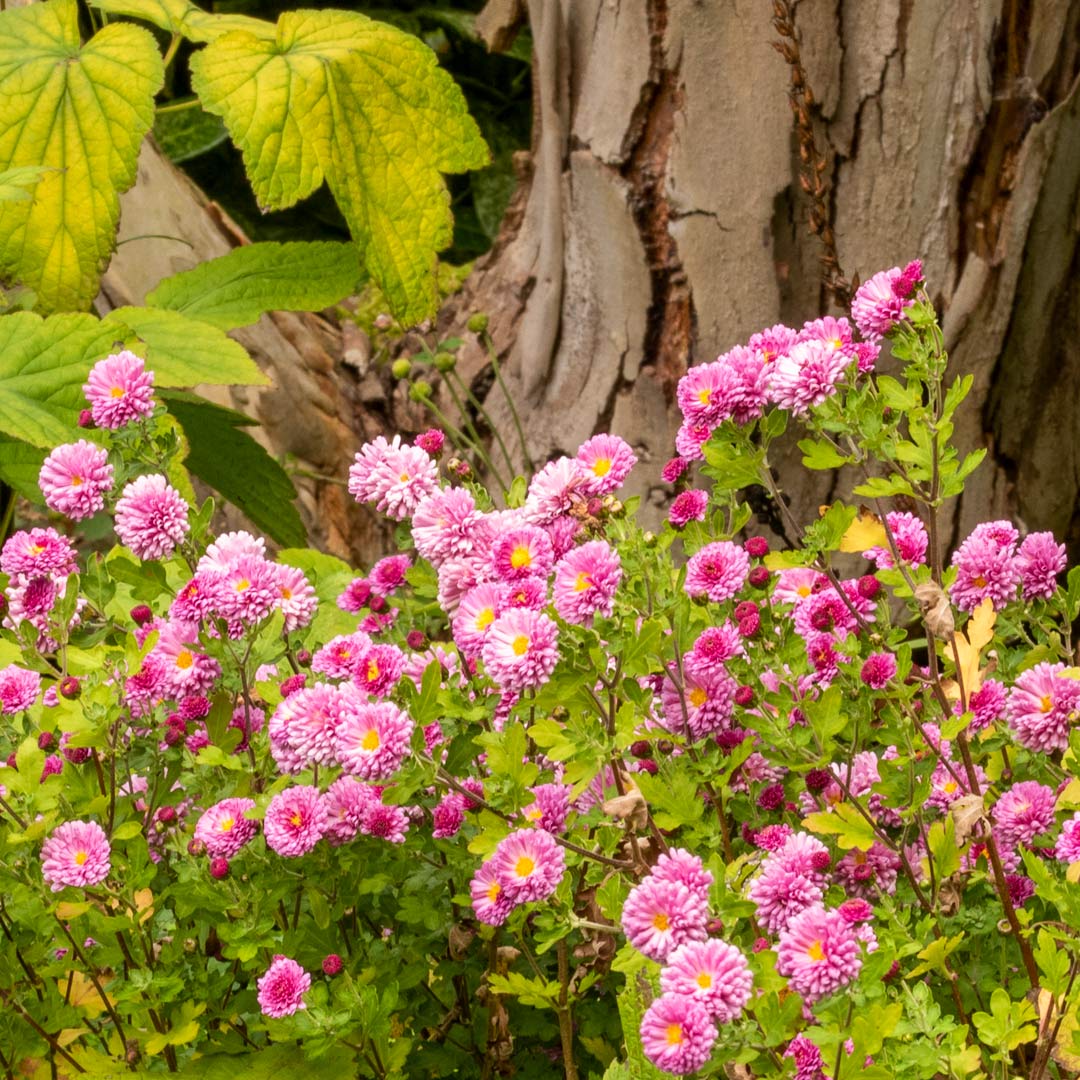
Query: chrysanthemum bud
x,y
478,322
818,779
416,639
744,696
649,766
141,614
401,368
303,657
332,964
219,867
758,576
641,748
86,418
46,740
757,547
196,848
70,688
420,390
868,587
445,361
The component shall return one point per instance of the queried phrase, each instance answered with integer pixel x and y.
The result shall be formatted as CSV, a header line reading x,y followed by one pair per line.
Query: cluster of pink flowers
x,y
526,866
990,564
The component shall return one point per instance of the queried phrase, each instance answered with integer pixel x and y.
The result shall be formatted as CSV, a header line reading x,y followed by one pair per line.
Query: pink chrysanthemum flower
x,y
339,657
37,552
282,988
716,646
773,343
522,552
355,597
448,816
659,916
880,303
606,461
805,854
947,784
554,489
691,438
868,873
431,441
550,808
530,592
677,1034
987,705
295,820
202,597
772,837
807,375
521,649
706,393
713,973
835,333
673,469
717,570
379,671
585,582
489,902
689,506
249,590
528,865
308,721
389,823
119,389
910,537
76,853
1042,707
373,739
704,707
1067,846
186,671
809,1064
346,799
296,596
797,584
389,574
75,478
1023,812
151,517
780,893
224,553
823,612
18,689
749,380
877,669
684,868
476,614
986,566
818,952
393,475
1040,560
224,829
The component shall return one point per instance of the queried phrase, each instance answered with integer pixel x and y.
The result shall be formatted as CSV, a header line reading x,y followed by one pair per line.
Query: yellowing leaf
x,y
81,112
144,905
865,532
363,105
978,632
1070,796
67,909
183,17
1072,873
84,994
1069,1022
980,627
69,1035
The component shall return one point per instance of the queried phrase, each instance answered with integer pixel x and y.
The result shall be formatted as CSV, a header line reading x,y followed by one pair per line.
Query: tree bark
x,y
660,220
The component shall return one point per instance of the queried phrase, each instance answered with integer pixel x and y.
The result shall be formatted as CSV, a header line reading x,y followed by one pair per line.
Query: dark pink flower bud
x,y
86,418
747,607
303,657
46,740
759,576
293,683
70,688
641,749
868,586
744,695
219,867
332,964
141,614
649,766
749,626
416,639
757,547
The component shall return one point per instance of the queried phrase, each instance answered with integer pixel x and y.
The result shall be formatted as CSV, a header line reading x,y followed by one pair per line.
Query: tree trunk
x,y
661,221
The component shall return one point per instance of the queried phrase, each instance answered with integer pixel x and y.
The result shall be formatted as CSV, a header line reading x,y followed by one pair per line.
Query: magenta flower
x,y
748,380
340,656
1023,812
550,807
606,461
528,865
690,506
715,646
248,590
475,615
1040,560
585,582
522,552
282,988
705,705
987,705
717,571
706,393
346,800
444,524
296,596
807,375
986,566
228,549
781,893
659,916
910,537
691,438
1042,706
151,517
355,597
431,441
18,689
119,389
773,343
554,490
488,899
76,853
185,671
36,553
868,873
224,829
677,1034
373,739
393,475
529,592
389,823
295,821
877,669
75,478
880,303
448,816
673,469
818,952
1067,846
389,574
809,1064
521,649
713,973
379,671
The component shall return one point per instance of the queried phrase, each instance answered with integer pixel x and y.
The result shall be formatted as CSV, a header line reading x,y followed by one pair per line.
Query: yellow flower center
x,y
521,557
674,1034
950,787
370,741
836,343
286,593
816,952
227,824
76,481
660,921
767,356
704,395
184,659
534,813
243,585
582,582
698,697
803,590
524,866
485,618
404,477
372,671
296,820
80,858
980,581
1045,704
704,980
601,466
116,392
36,549
343,654
521,645
493,891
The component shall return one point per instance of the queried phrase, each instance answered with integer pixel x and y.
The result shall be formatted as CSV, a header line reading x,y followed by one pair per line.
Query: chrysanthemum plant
x,y
542,792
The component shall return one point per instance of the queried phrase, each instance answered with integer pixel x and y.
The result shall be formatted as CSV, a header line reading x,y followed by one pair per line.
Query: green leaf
x,y
364,106
183,17
18,184
846,824
933,957
80,111
186,352
228,459
943,849
821,455
1007,1024
880,487
235,289
186,133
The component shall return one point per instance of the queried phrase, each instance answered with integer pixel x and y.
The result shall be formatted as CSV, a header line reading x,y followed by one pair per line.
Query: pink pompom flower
x,y
528,865
986,566
151,517
282,988
224,829
818,952
75,478
659,916
1067,846
807,375
684,868
76,853
521,553
521,649
550,808
18,689
877,669
689,506
910,537
713,973
37,553
1023,812
585,582
677,1034
1040,559
1041,707
295,821
489,902
393,475
880,303
717,571
373,739
606,461
119,389
444,524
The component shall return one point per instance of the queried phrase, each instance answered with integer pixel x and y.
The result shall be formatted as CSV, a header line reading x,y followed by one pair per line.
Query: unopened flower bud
x,y
303,657
196,848
377,603
478,322
759,576
86,418
744,695
174,734
649,766
141,614
167,814
649,539
420,390
445,361
416,640
332,964
401,368
46,740
641,748
868,587
749,626
219,867
757,547
70,688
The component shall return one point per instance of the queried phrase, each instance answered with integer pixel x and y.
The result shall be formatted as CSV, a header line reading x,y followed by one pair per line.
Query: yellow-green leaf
x,y
184,17
338,96
81,112
849,827
18,184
